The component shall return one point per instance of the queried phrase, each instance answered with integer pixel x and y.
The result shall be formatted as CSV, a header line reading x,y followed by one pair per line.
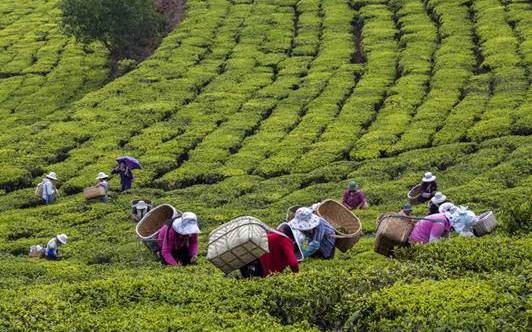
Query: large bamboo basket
x,y
395,227
93,192
486,224
414,195
148,227
348,226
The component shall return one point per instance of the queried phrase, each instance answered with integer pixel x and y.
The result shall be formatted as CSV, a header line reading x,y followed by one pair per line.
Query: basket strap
x,y
252,222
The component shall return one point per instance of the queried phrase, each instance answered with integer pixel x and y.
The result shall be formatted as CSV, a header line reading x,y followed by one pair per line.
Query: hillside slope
x,y
250,107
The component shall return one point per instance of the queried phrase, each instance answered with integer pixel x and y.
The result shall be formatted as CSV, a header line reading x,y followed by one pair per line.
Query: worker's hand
x,y
193,259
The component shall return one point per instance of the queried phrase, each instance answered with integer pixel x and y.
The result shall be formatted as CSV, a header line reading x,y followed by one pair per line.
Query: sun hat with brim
x,y
438,198
299,239
62,238
141,205
446,207
52,176
429,177
187,224
352,186
101,176
304,220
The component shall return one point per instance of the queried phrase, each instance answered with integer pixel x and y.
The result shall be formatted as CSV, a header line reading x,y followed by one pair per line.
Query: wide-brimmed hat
x,y
298,236
429,177
101,176
407,207
52,176
446,207
62,238
352,186
304,220
438,198
187,224
140,205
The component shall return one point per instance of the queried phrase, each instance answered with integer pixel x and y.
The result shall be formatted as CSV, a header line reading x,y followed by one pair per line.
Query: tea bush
x,y
249,108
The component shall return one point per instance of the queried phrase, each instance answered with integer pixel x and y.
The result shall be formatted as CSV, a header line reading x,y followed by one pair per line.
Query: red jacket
x,y
280,256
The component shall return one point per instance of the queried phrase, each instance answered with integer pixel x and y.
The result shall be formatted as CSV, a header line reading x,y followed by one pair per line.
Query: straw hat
x,y
52,176
187,224
101,176
304,220
438,198
62,238
429,177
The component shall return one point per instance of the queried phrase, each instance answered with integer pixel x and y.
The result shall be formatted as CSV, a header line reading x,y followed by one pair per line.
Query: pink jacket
x,y
171,241
427,231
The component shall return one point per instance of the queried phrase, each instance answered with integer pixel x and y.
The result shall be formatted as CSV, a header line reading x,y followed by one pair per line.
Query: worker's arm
x,y
437,231
362,199
193,245
166,250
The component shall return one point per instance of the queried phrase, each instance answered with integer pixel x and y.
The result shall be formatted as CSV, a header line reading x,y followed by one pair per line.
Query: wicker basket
x,y
93,192
395,227
148,227
414,195
486,224
237,243
347,225
291,212
384,246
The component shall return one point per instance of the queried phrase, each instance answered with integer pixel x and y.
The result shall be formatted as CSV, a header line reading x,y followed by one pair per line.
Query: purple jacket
x,y
353,199
171,241
427,231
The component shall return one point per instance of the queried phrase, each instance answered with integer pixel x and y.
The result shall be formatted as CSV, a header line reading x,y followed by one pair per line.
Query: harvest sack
x,y
93,192
39,190
348,227
36,251
486,224
237,243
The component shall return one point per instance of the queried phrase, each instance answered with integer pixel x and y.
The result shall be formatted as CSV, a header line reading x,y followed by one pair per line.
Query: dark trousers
x,y
253,269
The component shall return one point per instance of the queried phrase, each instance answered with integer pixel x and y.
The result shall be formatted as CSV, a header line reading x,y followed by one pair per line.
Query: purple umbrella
x,y
131,162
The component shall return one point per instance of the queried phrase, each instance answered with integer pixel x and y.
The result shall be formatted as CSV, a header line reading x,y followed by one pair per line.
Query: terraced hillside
x,y
250,107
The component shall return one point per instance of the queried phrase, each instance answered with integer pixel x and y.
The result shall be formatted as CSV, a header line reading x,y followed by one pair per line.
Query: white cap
x,y
141,205
62,238
102,175
52,176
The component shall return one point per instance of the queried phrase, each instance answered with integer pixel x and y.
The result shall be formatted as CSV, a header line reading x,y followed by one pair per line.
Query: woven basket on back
x,y
237,243
414,195
486,224
148,227
291,212
393,230
93,192
347,225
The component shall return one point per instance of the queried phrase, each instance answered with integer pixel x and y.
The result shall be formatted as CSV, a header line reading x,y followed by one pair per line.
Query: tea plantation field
x,y
247,108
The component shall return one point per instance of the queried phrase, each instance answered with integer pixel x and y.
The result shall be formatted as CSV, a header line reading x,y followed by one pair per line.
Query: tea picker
x,y
353,198
320,233
46,189
125,166
52,248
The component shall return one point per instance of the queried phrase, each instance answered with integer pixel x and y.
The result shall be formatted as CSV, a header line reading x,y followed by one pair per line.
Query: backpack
x,y
39,190
36,251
